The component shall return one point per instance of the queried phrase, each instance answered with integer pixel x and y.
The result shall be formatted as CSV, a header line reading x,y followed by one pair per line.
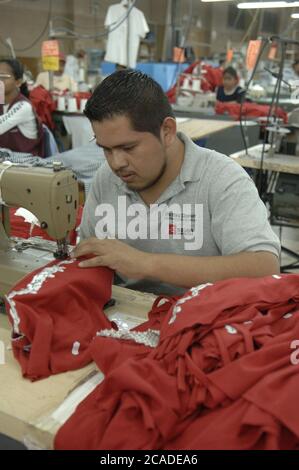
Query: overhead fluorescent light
x,y
295,15
255,5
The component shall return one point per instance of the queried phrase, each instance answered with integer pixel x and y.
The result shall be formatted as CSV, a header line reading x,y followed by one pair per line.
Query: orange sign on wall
x,y
253,50
50,55
50,48
229,55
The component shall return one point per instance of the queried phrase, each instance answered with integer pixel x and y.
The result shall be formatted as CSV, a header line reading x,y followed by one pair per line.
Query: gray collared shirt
x,y
212,208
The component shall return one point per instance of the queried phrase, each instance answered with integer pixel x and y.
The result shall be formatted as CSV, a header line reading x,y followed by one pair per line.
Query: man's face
x,y
138,158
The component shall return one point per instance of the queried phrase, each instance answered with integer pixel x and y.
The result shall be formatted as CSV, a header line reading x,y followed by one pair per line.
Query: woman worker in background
x,y
230,91
20,129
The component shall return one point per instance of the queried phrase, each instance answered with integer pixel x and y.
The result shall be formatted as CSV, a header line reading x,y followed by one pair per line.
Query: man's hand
x,y
115,255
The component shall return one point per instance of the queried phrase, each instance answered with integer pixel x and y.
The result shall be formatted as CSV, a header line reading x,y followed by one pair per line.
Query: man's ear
x,y
168,131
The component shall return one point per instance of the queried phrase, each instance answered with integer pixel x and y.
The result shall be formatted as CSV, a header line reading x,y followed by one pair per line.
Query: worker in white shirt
x,y
61,81
20,128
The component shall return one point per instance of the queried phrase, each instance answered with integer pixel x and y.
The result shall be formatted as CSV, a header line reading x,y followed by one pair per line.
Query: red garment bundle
x,y
43,104
22,229
249,110
55,312
212,79
220,378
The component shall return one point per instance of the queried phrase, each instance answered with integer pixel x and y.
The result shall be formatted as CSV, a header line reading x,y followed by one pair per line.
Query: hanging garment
x,y
55,312
124,34
212,78
222,365
43,104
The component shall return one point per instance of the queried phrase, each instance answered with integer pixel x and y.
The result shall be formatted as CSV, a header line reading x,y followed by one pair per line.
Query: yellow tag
x,y
51,63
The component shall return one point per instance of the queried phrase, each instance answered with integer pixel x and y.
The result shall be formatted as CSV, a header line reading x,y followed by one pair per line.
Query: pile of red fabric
x,y
212,79
221,376
43,104
55,312
22,229
248,110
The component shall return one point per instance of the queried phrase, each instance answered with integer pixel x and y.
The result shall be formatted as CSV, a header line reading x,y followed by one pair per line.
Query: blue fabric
x,y
50,144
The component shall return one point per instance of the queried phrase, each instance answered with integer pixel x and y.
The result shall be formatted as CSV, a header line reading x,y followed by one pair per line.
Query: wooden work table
x,y
32,412
279,162
199,128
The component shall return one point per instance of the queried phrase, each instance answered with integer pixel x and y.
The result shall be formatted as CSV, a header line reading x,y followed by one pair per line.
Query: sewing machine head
x,y
51,194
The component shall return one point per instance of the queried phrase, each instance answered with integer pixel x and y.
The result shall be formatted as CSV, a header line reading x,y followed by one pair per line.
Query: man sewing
x,y
162,212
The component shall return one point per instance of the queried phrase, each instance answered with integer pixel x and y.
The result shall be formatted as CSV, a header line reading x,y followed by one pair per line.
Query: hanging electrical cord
x,y
262,49
67,20
73,34
23,49
254,19
112,28
259,180
274,101
177,70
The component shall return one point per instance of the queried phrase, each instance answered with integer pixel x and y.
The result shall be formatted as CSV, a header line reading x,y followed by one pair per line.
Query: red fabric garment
x,y
22,229
15,140
80,95
117,352
249,110
212,78
43,104
53,327
262,413
176,386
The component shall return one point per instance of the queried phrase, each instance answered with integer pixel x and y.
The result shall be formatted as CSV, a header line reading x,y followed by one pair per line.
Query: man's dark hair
x,y
231,71
132,94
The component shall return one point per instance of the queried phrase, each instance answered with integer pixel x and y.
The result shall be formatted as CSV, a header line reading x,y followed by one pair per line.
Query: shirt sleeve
x,y
20,113
238,216
144,29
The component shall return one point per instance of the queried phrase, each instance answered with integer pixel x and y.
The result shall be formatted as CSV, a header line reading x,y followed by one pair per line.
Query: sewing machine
x,y
51,194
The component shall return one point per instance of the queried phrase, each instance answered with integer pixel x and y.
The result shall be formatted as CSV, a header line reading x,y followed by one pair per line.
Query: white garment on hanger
x,y
120,50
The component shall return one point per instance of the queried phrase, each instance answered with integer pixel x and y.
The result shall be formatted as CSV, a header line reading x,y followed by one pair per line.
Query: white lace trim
x,y
32,288
148,338
194,291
